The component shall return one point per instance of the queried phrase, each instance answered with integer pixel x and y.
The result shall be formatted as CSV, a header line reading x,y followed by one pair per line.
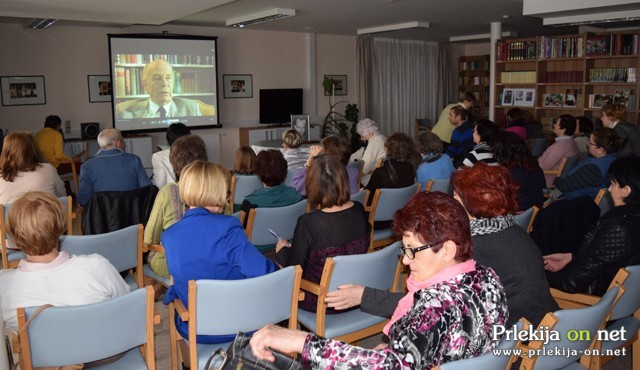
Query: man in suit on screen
x,y
157,79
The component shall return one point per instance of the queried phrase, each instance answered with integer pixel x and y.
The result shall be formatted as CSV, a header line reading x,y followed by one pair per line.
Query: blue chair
x,y
604,201
80,334
526,218
537,146
222,307
379,270
123,248
241,186
289,177
359,197
282,220
384,205
146,268
11,257
442,185
489,360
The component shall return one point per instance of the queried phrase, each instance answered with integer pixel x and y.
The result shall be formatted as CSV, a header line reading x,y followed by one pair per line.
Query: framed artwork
x,y
300,123
339,84
507,97
571,97
99,88
23,90
524,97
237,86
553,100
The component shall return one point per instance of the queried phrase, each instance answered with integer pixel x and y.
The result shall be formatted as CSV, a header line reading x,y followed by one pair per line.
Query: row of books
x,y
563,76
171,58
561,47
527,77
474,65
474,80
613,44
129,82
613,74
518,50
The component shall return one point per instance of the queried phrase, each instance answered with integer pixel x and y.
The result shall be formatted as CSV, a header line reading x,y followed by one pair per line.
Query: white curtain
x,y
401,80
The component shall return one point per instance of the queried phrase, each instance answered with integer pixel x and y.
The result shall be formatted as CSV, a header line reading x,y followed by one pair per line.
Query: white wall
x,y
65,55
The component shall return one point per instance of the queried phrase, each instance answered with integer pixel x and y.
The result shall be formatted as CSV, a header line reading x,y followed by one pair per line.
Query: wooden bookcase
x,y
473,76
568,74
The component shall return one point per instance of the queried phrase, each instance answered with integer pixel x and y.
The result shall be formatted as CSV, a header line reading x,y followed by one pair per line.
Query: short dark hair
x,y
487,130
271,167
567,122
175,131
510,150
608,138
626,172
436,217
184,150
460,111
52,121
400,147
327,182
428,142
337,146
468,96
584,124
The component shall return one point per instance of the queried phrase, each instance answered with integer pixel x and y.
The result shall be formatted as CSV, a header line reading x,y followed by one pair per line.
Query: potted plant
x,y
336,123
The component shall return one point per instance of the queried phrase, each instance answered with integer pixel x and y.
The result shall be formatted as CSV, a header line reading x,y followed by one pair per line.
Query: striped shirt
x,y
480,153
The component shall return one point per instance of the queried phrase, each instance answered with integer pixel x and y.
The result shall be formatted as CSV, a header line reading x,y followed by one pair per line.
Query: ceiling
x,y
342,17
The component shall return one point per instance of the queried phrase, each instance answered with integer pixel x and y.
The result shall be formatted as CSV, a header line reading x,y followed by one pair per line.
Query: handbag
x,y
239,356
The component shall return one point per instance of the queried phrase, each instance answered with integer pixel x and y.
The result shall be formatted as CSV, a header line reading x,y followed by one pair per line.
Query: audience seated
x,y
613,116
36,221
374,150
336,146
564,146
584,128
462,136
204,244
245,163
168,208
111,169
271,168
590,175
517,120
435,165
397,170
448,313
51,144
510,150
484,134
337,226
291,141
163,173
612,244
20,171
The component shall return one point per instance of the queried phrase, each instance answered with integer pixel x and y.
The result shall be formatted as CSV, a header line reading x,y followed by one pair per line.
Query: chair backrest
x,y
360,165
604,201
526,218
570,164
229,306
280,219
289,177
375,270
387,201
123,248
243,185
629,303
359,197
537,146
79,334
583,323
442,185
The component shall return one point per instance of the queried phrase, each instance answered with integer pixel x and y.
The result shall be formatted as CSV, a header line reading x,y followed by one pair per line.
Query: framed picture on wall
x,y
507,97
339,84
23,90
99,88
300,123
238,86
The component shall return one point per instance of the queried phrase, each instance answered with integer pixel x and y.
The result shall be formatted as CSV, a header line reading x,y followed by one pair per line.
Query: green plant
x,y
336,123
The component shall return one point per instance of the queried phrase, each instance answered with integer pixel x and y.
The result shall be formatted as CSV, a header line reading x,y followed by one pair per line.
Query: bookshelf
x,y
473,76
567,74
191,75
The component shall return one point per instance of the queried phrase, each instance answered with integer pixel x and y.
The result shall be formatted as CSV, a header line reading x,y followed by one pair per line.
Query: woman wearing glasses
x,y
447,315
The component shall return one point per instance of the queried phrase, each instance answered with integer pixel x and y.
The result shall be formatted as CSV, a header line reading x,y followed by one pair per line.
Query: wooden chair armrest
x,y
551,172
153,247
182,311
311,287
573,299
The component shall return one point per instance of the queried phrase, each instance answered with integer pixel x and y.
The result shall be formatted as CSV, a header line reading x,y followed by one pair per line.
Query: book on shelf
x,y
553,100
528,77
561,47
623,74
598,45
571,98
599,100
517,50
564,76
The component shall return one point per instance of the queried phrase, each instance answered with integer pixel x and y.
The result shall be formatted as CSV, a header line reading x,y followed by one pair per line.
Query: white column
x,y
313,85
496,34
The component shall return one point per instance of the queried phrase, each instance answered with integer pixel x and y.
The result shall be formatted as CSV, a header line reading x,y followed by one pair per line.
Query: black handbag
x,y
239,356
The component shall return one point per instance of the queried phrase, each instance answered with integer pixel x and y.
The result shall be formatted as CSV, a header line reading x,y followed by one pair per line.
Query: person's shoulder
x,y
185,102
89,262
132,104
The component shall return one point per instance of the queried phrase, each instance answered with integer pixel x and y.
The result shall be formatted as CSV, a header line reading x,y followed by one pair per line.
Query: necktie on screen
x,y
162,112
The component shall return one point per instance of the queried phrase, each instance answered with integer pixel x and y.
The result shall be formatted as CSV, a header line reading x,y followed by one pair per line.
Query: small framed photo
x,y
507,97
300,123
553,100
23,90
524,97
339,84
238,86
99,88
571,98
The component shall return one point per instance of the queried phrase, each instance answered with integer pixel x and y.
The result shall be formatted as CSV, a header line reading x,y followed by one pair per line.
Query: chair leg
x,y
173,338
635,350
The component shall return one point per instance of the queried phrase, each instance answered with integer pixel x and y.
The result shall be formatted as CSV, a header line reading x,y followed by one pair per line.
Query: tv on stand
x,y
277,106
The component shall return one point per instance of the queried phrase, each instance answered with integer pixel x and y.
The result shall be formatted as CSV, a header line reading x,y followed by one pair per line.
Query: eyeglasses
x,y
592,144
411,252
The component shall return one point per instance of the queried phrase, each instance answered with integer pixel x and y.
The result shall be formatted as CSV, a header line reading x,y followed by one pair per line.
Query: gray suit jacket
x,y
139,108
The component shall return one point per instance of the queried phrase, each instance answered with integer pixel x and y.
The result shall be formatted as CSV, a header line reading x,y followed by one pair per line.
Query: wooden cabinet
x,y
569,74
473,72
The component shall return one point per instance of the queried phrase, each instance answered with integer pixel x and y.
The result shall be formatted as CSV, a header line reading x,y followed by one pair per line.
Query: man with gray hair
x,y
111,169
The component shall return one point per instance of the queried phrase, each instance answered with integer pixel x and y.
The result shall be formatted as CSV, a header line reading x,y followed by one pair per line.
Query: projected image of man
x,y
157,79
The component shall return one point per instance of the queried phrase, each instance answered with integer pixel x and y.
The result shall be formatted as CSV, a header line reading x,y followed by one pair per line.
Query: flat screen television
x,y
277,105
161,79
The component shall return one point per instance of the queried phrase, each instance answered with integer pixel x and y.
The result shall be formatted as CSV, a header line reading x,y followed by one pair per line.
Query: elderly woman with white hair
x,y
368,131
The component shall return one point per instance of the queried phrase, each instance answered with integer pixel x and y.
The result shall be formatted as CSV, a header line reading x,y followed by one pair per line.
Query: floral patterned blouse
x,y
449,321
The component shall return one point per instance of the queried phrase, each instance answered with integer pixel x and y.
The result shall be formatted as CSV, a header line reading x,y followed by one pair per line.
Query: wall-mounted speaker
x,y
89,130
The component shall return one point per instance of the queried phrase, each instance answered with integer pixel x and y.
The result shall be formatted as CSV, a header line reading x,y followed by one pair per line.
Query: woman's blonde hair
x,y
20,153
35,222
292,138
204,184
